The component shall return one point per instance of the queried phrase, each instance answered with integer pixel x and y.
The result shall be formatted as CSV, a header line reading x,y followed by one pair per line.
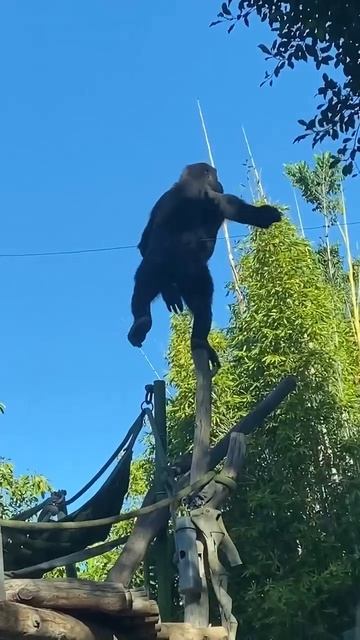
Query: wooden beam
x,y
21,622
196,606
2,573
200,454
232,466
163,561
80,595
181,631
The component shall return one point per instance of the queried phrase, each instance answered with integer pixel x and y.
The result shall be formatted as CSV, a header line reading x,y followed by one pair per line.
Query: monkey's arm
x,y
162,216
144,240
237,210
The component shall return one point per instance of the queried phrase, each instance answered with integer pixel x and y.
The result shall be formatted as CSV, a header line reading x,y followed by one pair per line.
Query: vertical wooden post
x,y
197,608
162,547
357,622
2,571
200,457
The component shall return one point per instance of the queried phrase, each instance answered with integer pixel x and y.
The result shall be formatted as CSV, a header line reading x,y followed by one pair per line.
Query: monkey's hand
x,y
140,328
212,355
172,298
267,216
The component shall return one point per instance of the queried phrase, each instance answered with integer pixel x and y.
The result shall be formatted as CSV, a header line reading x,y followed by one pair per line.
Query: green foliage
x,y
295,517
337,277
19,492
326,33
320,186
291,517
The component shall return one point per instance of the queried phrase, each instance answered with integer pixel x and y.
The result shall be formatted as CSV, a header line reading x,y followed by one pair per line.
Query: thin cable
x,y
34,254
40,254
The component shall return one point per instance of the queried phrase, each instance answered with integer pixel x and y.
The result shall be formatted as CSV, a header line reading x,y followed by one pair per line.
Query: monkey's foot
x,y
212,355
139,330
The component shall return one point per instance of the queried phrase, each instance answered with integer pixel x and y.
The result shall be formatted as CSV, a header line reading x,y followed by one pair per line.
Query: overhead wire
x,y
39,254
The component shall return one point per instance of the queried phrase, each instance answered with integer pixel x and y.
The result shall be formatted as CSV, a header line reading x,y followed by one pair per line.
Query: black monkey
x,y
176,245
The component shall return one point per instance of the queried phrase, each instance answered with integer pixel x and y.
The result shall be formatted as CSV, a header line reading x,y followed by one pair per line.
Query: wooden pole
x,y
200,456
2,573
181,631
162,546
160,420
196,607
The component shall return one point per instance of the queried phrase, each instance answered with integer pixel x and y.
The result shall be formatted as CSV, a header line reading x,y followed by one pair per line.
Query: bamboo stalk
x,y
256,173
225,225
299,214
354,299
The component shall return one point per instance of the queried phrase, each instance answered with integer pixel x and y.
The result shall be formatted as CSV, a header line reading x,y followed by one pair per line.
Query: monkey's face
x,y
213,181
203,174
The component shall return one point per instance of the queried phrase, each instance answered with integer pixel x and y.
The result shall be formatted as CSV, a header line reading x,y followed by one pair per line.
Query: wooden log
x,y
145,530
200,456
80,595
196,606
183,631
162,552
18,621
2,573
152,621
147,527
231,469
143,607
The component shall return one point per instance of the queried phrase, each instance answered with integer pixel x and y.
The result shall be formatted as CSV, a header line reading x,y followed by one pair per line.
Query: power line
x,y
39,254
34,254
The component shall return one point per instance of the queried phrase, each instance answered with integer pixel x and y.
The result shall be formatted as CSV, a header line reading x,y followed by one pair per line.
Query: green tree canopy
x,y
295,515
18,493
327,33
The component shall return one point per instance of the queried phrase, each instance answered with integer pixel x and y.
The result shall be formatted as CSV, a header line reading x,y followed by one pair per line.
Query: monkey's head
x,y
203,175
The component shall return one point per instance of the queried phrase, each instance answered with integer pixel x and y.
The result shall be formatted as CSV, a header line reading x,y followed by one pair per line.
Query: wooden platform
x,y
84,610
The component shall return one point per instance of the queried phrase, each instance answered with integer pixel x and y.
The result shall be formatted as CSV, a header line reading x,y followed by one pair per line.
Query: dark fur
x,y
176,245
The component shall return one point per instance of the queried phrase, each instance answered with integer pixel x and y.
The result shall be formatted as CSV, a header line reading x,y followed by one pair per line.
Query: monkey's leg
x,y
196,287
147,287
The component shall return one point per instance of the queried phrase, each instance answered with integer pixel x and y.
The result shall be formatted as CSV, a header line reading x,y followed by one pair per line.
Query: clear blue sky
x,y
97,117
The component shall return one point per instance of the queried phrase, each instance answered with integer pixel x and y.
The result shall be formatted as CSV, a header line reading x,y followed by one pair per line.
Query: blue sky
x,y
98,116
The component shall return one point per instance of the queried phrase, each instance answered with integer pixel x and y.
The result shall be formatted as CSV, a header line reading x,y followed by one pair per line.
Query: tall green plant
x,y
321,186
295,516
287,514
